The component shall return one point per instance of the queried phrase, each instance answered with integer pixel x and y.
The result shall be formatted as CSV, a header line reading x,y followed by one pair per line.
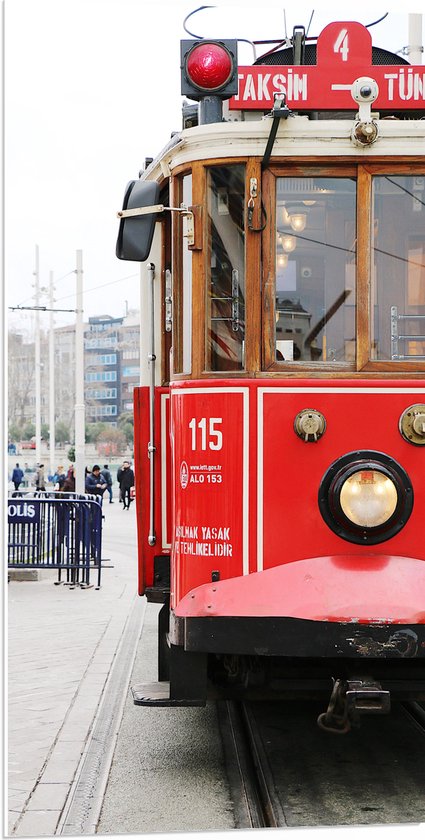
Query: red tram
x,y
280,424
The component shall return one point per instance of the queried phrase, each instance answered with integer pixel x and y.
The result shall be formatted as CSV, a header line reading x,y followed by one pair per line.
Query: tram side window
x,y
182,290
398,268
225,300
315,269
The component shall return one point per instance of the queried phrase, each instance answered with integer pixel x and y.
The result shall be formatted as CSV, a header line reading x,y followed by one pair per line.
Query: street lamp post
x,y
51,380
79,411
37,360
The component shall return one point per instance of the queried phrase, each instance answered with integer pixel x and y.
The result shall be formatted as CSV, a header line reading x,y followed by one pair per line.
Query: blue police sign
x,y
23,512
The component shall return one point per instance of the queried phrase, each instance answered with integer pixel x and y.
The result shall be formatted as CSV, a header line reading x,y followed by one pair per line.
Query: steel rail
x,y
255,800
416,713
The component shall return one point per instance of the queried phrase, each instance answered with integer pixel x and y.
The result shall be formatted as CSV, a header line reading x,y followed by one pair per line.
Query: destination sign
x,y
344,53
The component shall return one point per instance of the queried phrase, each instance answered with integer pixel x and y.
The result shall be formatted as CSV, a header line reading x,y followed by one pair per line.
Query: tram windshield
x,y
398,267
315,269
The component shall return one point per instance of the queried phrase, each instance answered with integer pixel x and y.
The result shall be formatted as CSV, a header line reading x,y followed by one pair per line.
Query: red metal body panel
x,y
146,553
361,590
358,416
263,499
210,437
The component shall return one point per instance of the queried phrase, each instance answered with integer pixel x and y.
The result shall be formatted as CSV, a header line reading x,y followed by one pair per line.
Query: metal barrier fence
x,y
62,531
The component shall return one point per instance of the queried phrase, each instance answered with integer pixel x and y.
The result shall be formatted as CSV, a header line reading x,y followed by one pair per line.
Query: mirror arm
x,y
159,208
155,208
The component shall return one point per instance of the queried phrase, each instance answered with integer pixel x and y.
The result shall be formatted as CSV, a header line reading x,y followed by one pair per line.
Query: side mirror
x,y
136,232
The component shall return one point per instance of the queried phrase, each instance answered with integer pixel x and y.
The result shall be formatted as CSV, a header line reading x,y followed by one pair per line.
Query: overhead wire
x,y
31,296
101,286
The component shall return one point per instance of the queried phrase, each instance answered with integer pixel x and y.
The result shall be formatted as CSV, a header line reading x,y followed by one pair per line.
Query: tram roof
x,y
298,136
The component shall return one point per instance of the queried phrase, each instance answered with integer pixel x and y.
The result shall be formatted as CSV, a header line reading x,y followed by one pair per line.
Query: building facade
x,y
111,371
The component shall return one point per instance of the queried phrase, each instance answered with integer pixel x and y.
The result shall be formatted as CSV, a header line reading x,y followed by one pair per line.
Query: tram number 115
x,y
205,434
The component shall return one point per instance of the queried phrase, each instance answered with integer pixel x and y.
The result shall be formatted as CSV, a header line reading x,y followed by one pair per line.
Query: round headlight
x,y
366,497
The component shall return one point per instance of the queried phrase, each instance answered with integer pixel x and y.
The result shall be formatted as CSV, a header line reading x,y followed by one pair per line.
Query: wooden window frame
x,y
387,365
207,371
363,173
260,254
176,198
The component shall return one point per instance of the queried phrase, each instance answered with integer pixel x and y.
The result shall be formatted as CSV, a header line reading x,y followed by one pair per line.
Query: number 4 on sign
x,y
341,44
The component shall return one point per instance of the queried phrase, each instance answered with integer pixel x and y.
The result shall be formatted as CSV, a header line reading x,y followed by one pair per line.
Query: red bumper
x,y
355,589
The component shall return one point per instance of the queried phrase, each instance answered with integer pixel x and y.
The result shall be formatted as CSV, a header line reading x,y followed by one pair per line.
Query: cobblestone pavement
x,y
62,643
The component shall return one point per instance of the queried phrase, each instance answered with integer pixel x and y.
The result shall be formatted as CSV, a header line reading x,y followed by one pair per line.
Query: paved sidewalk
x,y
62,643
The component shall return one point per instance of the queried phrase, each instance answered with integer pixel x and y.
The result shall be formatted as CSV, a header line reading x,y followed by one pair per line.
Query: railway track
x,y
285,772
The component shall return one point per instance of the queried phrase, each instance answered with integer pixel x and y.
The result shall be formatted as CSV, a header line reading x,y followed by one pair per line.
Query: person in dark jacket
x,y
125,478
39,478
108,478
95,482
17,477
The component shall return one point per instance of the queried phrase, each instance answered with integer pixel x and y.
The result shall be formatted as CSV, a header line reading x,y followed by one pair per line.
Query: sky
x,y
92,88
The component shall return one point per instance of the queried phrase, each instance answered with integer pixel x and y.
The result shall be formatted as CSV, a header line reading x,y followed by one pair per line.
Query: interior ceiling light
x,y
284,216
298,217
298,221
282,260
289,243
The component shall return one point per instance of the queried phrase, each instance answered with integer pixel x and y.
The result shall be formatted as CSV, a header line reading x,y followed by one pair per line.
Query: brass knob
x,y
412,424
309,425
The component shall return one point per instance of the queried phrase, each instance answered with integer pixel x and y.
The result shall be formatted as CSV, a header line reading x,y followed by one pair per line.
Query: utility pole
x,y
51,380
415,39
37,360
79,410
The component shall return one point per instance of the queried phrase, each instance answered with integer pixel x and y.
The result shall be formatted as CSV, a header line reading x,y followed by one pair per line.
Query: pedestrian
x,y
17,477
125,478
69,483
39,478
108,478
95,483
59,478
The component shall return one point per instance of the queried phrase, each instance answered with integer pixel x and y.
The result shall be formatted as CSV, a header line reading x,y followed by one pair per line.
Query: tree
x,y
112,441
125,417
126,425
21,377
128,430
93,430
62,433
28,431
15,431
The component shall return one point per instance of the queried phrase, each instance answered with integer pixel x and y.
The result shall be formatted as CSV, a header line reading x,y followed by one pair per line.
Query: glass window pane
x,y
187,286
225,304
398,267
181,282
315,269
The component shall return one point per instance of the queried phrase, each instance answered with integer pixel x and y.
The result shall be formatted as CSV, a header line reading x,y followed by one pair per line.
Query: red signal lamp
x,y
209,67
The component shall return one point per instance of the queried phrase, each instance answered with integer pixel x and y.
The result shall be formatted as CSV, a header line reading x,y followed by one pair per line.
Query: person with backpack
x,y
108,478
